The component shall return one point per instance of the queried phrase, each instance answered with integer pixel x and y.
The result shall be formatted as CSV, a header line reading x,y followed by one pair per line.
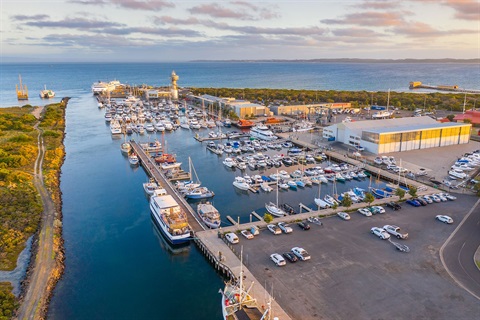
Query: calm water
x,y
117,266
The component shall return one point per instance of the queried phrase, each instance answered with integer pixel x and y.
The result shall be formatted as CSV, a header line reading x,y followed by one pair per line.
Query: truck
x,y
395,231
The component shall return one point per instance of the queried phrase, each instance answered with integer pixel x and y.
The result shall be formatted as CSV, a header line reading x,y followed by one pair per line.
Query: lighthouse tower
x,y
174,90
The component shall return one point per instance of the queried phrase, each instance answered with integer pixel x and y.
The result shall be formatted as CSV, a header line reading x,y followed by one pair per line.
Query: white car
x,y
277,259
379,232
231,237
274,229
441,196
301,253
379,209
284,227
435,198
428,199
343,215
449,196
444,219
365,212
247,234
395,231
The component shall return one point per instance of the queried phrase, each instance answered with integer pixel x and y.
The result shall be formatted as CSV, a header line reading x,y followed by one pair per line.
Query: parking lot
x,y
353,274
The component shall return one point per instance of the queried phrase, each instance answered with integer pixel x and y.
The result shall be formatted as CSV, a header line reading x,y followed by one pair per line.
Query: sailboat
x,y
237,303
197,192
273,208
318,201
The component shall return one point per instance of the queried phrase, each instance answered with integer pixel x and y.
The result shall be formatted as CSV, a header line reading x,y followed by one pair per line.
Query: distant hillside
x,y
348,60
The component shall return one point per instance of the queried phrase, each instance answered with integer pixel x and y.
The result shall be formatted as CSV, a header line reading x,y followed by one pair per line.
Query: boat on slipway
x,y
209,215
169,217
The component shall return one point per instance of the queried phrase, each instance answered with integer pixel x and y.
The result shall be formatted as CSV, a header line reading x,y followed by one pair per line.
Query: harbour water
x,y
117,264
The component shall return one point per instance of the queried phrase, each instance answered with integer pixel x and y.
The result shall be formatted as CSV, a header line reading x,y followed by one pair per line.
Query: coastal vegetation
x,y
358,99
8,303
20,201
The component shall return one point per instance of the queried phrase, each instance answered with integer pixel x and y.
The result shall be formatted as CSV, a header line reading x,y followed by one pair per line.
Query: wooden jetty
x,y
256,215
153,171
302,206
230,219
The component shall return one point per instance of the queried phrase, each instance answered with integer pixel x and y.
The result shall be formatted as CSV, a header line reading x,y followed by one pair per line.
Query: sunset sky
x,y
152,30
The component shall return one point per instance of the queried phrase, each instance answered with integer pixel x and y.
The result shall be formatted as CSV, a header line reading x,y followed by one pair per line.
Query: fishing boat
x,y
150,186
170,218
133,159
166,158
241,183
47,93
125,147
237,303
200,193
209,215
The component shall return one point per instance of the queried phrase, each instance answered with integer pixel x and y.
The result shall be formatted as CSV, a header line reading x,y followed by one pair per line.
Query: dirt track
x,y
35,297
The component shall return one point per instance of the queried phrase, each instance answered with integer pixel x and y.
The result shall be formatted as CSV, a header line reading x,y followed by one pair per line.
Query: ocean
x,y
117,264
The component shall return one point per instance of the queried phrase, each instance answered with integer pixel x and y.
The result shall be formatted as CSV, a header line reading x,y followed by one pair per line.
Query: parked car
x,y
444,219
441,196
435,198
421,201
395,231
274,229
232,238
277,259
379,232
413,202
301,253
379,209
449,196
395,206
290,257
343,215
284,227
247,234
365,212
427,198
304,225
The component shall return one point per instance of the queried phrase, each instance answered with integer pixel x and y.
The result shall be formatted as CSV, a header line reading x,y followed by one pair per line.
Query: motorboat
x,y
300,183
339,177
152,147
457,174
330,200
292,184
321,203
462,167
133,159
115,127
229,162
379,193
241,183
47,93
125,147
200,193
265,187
170,218
262,132
150,187
209,215
378,160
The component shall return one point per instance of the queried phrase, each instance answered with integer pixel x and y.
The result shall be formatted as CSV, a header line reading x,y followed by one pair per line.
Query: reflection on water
x,y
183,248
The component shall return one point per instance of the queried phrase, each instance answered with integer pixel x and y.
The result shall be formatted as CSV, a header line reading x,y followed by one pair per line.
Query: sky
x,y
168,30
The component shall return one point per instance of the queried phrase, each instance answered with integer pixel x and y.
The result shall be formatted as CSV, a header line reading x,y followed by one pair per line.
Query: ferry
x,y
262,132
169,217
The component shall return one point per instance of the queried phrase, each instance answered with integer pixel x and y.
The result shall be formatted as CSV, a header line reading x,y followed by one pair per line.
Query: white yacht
x,y
115,127
240,183
262,132
457,174
229,162
209,215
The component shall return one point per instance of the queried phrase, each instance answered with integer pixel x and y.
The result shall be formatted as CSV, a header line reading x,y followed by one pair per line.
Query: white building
x,y
396,135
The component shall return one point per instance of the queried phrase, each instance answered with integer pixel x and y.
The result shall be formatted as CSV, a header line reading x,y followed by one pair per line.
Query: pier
x,y
153,171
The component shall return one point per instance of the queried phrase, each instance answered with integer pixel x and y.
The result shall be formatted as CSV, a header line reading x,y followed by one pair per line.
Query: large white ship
x,y
262,132
101,87
170,218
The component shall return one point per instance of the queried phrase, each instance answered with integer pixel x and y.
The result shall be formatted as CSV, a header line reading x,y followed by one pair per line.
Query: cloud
x,y
465,9
356,32
153,5
377,19
28,18
378,5
74,23
254,12
423,30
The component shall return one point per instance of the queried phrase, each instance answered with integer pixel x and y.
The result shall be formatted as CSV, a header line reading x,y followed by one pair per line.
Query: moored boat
x,y
200,193
241,183
209,215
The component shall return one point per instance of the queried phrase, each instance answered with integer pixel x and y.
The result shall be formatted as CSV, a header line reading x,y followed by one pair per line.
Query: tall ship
x,y
169,217
262,132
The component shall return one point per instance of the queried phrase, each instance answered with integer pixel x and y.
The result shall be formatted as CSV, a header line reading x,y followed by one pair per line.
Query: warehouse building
x,y
396,135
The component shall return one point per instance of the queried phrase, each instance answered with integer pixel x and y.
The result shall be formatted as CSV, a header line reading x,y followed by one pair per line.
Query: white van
x,y
231,237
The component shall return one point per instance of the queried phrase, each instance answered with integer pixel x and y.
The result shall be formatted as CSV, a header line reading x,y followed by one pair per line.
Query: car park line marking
x,y
447,242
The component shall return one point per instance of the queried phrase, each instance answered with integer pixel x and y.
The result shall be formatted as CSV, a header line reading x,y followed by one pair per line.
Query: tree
x,y
400,193
413,191
346,201
268,218
369,198
335,206
450,117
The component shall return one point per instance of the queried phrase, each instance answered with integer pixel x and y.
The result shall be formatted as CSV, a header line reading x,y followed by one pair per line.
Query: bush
x,y
21,138
268,218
